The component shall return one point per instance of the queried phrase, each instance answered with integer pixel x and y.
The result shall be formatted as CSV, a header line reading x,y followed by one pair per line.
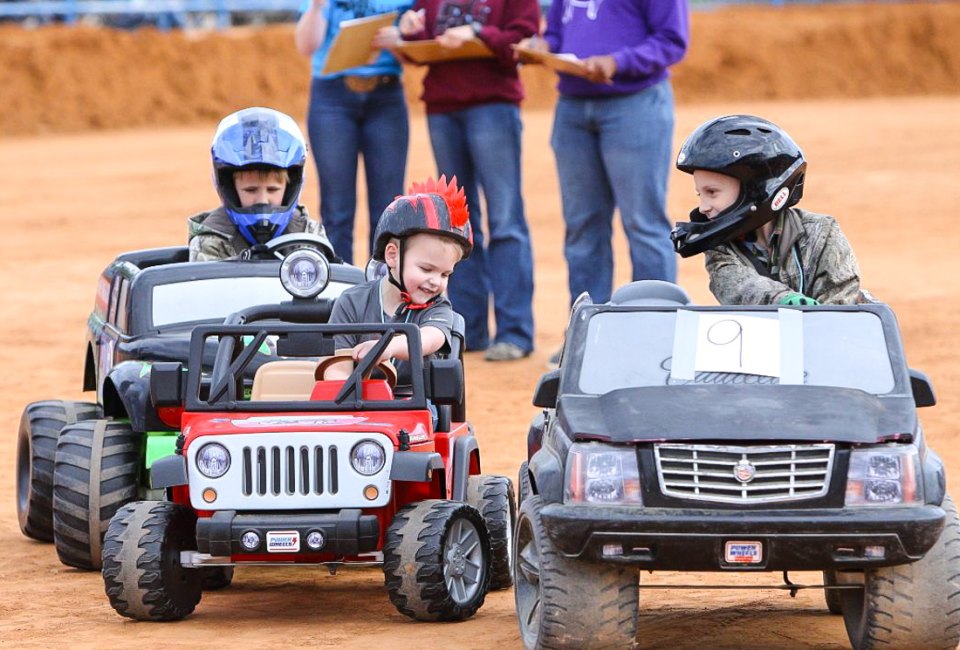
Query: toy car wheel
x,y
217,577
436,561
911,605
493,497
832,596
95,473
565,603
142,573
40,426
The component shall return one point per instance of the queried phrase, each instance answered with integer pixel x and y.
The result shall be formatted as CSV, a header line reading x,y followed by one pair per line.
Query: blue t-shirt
x,y
337,11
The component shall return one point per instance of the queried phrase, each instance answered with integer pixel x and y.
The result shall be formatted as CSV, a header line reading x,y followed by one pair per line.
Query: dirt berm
x,y
65,79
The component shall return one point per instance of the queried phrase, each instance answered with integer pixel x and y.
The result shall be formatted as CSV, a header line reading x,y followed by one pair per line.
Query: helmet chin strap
x,y
406,300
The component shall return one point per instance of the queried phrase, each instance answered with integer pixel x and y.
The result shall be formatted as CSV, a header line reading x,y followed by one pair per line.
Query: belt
x,y
368,84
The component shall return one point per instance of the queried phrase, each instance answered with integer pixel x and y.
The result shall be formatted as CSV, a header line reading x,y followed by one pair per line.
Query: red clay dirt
x,y
97,160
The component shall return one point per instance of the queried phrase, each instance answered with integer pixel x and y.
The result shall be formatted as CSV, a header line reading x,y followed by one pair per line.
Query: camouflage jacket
x,y
212,236
811,256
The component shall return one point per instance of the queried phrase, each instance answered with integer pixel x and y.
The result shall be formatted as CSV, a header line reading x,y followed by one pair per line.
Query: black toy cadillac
x,y
731,439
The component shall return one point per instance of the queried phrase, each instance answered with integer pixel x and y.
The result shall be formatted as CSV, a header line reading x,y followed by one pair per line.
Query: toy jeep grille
x,y
751,474
277,469
290,471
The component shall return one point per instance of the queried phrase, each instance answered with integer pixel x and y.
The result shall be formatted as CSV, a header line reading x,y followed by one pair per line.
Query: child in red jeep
x,y
420,238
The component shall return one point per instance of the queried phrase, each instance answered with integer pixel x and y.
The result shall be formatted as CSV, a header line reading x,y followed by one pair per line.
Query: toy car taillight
x,y
883,476
367,457
213,460
304,273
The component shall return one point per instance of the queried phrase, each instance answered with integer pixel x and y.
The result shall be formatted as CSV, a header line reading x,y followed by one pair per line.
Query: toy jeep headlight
x,y
602,474
375,270
304,273
213,460
883,476
367,457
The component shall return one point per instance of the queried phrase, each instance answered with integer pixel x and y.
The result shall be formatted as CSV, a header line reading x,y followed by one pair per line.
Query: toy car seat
x,y
650,292
282,381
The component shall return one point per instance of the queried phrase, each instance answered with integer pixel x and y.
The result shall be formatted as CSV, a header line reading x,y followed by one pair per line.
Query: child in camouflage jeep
x,y
258,162
759,249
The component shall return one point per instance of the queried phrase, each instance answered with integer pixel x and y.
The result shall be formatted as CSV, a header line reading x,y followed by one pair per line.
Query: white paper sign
x,y
736,343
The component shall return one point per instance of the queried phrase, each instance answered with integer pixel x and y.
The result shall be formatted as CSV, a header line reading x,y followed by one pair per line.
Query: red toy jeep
x,y
292,470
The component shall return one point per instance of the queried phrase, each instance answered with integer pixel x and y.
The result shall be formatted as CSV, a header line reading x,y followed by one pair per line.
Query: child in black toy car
x,y
759,248
258,163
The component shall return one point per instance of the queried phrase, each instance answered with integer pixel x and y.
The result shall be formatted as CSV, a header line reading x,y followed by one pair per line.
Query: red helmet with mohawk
x,y
436,207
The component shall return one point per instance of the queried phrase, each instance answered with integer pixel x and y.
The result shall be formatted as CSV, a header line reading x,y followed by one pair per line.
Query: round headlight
x,y
213,460
375,270
304,273
367,457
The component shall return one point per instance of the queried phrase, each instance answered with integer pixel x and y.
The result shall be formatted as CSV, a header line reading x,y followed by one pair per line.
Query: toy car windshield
x,y
285,378
842,348
213,299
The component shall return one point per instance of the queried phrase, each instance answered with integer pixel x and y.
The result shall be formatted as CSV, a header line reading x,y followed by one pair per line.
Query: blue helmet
x,y
258,139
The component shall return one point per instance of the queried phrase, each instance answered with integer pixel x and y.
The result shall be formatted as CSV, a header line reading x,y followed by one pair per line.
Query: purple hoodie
x,y
645,37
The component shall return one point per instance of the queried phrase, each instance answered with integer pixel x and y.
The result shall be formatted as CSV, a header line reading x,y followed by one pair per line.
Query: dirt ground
x,y
886,167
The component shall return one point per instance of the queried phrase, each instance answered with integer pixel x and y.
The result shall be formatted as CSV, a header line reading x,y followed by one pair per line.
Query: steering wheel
x,y
386,368
353,384
280,247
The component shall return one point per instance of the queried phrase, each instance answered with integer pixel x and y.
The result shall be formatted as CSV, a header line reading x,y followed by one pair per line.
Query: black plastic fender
x,y
934,478
463,448
126,394
547,470
416,466
168,471
535,434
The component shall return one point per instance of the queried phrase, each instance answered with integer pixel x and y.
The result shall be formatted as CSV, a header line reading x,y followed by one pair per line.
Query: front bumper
x,y
346,532
694,540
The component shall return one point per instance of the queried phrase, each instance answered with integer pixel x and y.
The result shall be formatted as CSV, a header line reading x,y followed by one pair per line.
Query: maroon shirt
x,y
455,85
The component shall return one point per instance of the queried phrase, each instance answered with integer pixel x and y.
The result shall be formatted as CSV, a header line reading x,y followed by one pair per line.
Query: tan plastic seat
x,y
284,381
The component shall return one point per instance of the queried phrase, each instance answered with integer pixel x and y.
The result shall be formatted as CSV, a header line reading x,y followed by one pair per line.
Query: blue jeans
x,y
344,125
615,152
480,145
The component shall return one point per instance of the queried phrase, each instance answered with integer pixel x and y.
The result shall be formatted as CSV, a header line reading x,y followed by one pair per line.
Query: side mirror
x,y
545,396
167,387
444,381
922,389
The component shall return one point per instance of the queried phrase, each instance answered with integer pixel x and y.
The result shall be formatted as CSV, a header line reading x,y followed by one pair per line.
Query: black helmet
x,y
433,207
766,161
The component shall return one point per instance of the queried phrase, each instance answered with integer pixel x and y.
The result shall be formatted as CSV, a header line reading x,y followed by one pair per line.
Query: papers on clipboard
x,y
351,46
565,63
432,52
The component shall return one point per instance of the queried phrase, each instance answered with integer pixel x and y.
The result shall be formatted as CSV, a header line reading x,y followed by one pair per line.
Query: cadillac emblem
x,y
744,471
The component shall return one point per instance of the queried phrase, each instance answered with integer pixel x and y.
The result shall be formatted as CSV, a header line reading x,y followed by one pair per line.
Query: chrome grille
x,y
767,473
289,469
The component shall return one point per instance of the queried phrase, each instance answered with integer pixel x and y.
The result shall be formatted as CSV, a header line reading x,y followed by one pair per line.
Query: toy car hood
x,y
802,413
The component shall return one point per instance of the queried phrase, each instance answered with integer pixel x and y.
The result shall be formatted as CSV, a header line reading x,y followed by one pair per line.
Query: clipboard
x,y
565,63
351,46
430,51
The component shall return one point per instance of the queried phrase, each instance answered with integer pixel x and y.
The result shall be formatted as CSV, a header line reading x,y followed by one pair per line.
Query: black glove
x,y
256,252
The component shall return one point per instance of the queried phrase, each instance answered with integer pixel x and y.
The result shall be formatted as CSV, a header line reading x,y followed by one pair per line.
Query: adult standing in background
x,y
473,114
613,133
357,112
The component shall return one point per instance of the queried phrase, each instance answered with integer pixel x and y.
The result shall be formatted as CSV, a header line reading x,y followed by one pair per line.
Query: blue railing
x,y
174,13
165,11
